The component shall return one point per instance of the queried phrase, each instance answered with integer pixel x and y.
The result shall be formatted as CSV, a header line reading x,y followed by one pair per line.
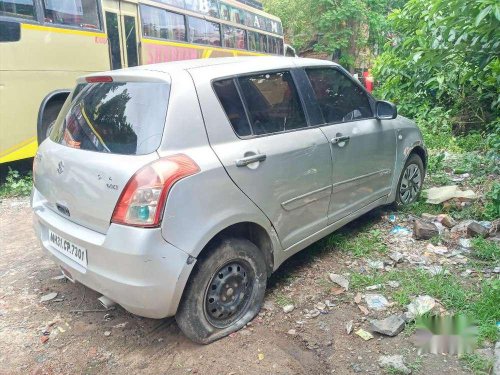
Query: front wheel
x,y
225,291
411,180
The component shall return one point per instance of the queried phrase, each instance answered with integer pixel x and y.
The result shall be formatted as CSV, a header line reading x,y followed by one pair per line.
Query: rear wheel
x,y
225,291
49,118
410,181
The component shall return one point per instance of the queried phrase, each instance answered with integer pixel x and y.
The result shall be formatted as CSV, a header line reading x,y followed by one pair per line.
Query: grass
x,y
480,305
359,244
486,250
477,364
283,300
16,184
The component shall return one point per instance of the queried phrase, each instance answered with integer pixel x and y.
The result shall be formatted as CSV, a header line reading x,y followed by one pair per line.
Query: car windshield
x,y
114,117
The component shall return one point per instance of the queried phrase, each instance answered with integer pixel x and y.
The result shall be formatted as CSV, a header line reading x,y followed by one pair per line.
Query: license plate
x,y
68,248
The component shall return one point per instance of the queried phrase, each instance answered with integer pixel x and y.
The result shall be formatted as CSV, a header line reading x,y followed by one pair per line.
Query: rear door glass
x,y
114,117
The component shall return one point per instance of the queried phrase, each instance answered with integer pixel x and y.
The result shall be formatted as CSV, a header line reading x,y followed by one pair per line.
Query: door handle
x,y
243,162
340,139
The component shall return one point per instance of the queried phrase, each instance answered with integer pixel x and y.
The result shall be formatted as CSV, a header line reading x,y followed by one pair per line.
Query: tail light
x,y
141,202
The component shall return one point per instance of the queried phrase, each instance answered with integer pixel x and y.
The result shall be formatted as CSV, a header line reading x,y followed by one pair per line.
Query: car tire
x,y
224,292
411,181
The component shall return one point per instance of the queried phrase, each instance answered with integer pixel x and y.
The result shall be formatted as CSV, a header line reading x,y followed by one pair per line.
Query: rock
x,y
376,302
320,306
48,297
348,326
365,335
420,306
292,332
312,314
428,217
374,287
440,250
393,363
496,367
268,306
288,308
396,256
424,230
375,264
339,280
446,220
465,243
461,227
393,284
475,229
390,326
107,333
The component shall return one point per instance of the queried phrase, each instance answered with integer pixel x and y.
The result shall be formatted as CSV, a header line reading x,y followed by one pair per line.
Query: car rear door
x,y
363,148
257,126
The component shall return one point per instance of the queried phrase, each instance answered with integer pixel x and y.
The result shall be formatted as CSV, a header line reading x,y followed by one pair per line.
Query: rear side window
x,y
231,102
18,8
273,102
116,117
79,13
340,99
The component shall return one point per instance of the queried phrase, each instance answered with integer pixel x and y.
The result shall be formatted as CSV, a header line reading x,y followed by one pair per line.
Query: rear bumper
x,y
135,267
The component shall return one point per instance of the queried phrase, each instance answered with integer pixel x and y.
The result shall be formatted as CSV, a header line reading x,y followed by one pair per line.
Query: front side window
x,y
340,98
79,13
110,117
273,102
234,37
18,8
160,23
204,32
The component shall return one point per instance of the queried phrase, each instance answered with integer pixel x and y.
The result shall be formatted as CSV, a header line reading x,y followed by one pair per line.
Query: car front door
x,y
270,153
363,148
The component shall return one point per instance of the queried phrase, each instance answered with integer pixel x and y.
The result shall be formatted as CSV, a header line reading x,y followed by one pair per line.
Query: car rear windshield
x,y
114,117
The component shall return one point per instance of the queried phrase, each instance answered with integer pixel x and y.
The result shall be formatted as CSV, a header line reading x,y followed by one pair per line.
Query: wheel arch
x,y
251,231
52,97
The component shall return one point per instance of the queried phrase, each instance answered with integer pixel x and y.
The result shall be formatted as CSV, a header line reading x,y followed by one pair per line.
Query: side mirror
x,y
10,31
385,110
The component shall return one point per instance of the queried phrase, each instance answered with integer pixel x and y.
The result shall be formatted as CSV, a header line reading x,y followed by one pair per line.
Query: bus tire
x,y
49,117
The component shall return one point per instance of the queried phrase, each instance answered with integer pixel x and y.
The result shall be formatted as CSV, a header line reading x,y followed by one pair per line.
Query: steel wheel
x,y
228,293
410,185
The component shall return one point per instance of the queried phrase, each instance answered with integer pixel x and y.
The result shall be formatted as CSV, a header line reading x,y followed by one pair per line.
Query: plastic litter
x,y
365,335
400,231
437,195
376,302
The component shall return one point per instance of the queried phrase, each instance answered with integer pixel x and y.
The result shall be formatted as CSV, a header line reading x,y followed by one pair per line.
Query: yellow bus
x,y
46,44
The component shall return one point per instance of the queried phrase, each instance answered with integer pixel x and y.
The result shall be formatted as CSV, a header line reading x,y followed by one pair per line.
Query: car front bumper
x,y
135,267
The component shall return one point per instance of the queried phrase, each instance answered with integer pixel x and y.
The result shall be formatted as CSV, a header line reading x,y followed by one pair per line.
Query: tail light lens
x,y
141,202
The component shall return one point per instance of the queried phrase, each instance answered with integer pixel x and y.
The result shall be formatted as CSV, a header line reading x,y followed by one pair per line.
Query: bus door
x,y
121,26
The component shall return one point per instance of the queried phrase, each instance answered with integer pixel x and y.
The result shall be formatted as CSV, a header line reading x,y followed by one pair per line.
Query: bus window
x,y
80,13
204,32
18,8
234,37
208,7
114,40
159,23
131,41
262,43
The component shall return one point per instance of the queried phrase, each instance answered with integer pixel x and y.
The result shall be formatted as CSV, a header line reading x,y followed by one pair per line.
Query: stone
x,y
461,227
496,367
420,306
465,243
390,326
288,308
374,287
365,335
375,264
393,284
446,220
107,333
440,250
475,229
393,363
376,302
292,332
48,297
320,306
339,280
311,314
44,339
348,326
428,217
396,256
424,230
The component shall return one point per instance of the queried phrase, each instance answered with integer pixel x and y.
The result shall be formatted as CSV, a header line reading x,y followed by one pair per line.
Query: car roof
x,y
220,65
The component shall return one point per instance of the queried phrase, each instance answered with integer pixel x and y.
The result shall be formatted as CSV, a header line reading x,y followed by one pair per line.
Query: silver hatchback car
x,y
178,188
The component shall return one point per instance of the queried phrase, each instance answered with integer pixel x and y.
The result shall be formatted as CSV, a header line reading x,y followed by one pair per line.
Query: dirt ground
x,y
117,342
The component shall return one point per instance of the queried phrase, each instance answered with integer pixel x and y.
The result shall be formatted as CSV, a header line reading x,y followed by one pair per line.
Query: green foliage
x,y
477,364
16,184
486,250
442,67
492,206
344,27
359,244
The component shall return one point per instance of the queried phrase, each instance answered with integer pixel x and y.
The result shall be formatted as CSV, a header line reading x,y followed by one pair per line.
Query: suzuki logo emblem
x,y
60,167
